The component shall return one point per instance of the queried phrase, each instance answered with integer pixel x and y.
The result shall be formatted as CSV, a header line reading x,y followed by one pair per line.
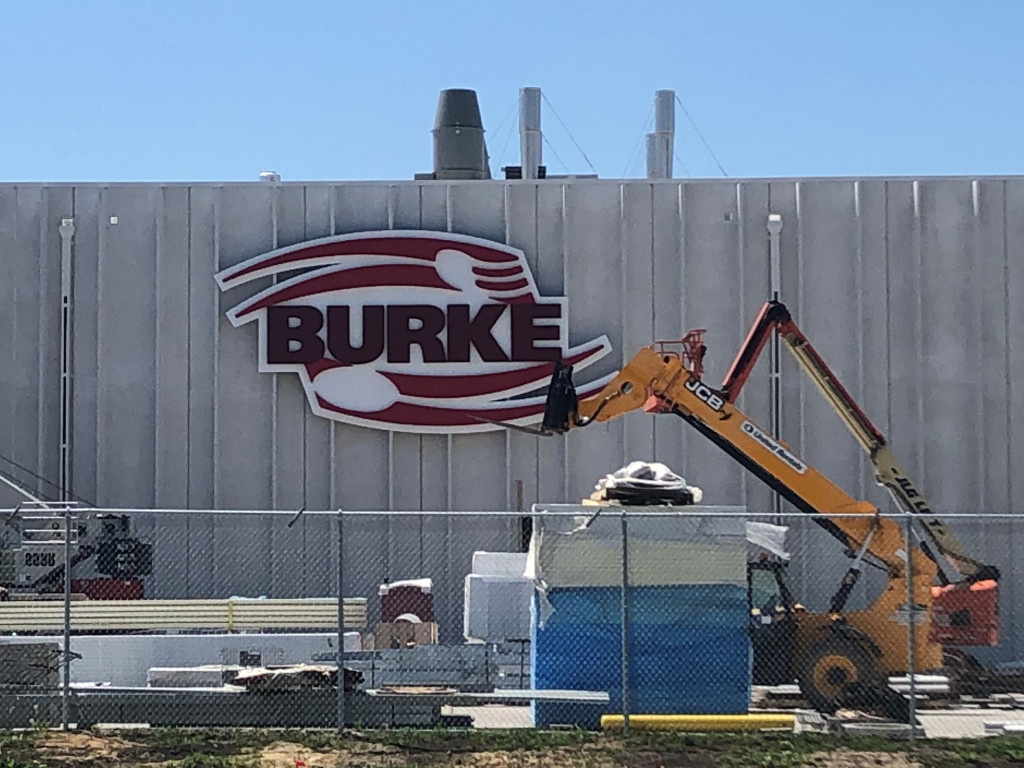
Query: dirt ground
x,y
848,758
51,749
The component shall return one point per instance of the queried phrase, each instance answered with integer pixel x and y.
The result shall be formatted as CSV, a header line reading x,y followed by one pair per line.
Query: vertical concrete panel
x,y
24,380
477,210
830,311
171,336
756,202
412,209
244,407
58,204
907,379
872,391
829,314
988,362
317,533
668,435
10,256
521,449
288,559
1013,222
593,286
753,283
244,444
405,535
948,365
85,257
126,321
436,532
405,555
361,453
784,199
203,311
204,320
317,430
709,269
637,261
993,339
549,274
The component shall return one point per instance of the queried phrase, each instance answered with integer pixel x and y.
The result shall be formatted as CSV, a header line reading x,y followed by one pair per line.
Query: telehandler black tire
x,y
833,669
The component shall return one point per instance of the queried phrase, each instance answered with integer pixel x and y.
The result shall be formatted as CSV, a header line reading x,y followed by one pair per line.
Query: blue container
x,y
689,651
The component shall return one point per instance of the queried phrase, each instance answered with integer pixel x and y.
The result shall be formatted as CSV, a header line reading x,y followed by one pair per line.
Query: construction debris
x,y
295,678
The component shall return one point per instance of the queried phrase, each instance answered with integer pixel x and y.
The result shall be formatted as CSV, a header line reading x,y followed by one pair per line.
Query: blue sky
x,y
211,90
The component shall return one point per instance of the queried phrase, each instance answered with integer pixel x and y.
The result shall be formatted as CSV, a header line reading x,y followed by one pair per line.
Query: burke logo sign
x,y
410,331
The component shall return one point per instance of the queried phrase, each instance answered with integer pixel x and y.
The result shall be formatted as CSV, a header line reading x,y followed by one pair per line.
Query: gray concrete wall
x,y
911,289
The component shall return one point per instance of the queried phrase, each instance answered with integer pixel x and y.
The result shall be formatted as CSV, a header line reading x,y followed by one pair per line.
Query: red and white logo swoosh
x,y
410,331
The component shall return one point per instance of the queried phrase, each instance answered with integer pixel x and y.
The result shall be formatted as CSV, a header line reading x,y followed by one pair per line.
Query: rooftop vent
x,y
459,148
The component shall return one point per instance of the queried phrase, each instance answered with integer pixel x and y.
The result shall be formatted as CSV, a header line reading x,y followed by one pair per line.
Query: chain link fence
x,y
593,617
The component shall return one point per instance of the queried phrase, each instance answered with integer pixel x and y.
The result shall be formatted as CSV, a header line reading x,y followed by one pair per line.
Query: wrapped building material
x,y
688,647
511,564
641,483
497,608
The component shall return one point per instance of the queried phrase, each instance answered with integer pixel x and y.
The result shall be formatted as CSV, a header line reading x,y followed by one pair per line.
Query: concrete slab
x,y
965,723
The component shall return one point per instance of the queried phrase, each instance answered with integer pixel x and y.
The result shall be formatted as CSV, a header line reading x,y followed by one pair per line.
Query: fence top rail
x,y
11,513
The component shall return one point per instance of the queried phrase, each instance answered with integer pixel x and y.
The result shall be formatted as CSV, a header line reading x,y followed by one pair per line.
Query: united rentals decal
x,y
410,331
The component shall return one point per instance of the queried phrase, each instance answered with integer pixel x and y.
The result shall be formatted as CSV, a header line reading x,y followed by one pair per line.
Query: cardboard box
x,y
403,634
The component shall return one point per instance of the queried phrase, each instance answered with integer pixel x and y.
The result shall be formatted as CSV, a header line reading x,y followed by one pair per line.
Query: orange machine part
x,y
965,614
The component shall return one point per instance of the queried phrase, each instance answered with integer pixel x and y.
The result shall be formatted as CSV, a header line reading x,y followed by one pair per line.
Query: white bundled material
x,y
647,475
423,585
767,538
497,608
512,564
204,676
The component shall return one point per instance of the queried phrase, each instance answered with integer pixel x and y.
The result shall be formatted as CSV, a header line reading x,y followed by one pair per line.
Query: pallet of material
x,y
296,677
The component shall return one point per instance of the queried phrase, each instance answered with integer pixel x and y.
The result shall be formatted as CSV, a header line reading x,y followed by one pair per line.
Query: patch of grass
x,y
497,740
215,746
203,760
18,762
240,748
995,751
18,749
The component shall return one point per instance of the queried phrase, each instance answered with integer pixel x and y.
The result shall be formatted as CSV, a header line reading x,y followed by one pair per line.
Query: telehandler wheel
x,y
832,669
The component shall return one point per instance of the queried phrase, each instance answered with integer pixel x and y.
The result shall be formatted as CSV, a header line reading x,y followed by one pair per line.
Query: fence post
x,y
625,627
911,622
340,655
66,656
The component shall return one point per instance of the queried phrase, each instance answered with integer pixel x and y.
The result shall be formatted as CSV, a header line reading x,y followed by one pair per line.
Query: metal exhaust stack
x,y
459,148
661,143
530,137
